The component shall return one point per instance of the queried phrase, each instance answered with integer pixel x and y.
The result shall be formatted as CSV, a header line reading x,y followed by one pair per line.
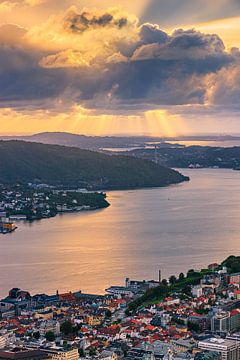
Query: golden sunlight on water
x,y
174,228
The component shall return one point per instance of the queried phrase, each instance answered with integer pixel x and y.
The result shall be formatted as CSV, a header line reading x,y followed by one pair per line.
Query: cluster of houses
x,y
198,326
29,203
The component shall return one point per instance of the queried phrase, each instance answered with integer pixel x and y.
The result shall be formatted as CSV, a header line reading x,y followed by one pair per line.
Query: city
x,y
119,179
198,319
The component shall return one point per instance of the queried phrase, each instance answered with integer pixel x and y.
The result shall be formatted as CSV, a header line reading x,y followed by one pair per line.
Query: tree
x,y
127,312
172,280
66,328
192,326
164,282
181,277
178,321
92,352
108,313
81,353
187,290
192,273
50,336
36,335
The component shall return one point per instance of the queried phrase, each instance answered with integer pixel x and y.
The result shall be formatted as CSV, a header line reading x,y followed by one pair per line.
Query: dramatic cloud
x,y
225,87
106,59
68,58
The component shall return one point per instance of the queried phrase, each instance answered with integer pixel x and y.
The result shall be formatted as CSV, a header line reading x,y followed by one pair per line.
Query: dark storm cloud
x,y
186,39
150,33
21,78
183,44
160,70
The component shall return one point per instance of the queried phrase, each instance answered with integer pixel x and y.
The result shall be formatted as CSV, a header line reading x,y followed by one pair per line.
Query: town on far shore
x,y
193,316
41,201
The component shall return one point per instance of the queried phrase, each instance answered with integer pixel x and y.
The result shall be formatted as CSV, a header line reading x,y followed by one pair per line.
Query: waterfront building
x,y
120,291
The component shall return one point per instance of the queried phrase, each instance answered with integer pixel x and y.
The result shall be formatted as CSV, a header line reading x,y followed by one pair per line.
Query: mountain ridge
x,y
24,162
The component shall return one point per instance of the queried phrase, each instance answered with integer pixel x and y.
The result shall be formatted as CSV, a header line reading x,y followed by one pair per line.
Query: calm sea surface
x,y
175,228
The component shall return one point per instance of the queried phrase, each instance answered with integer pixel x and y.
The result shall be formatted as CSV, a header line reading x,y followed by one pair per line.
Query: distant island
x,y
194,157
22,163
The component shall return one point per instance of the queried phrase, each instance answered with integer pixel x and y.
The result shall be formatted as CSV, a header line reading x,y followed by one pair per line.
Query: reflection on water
x,y
213,143
175,228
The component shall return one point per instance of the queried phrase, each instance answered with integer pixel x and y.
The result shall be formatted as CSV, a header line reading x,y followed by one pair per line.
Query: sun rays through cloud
x,y
119,67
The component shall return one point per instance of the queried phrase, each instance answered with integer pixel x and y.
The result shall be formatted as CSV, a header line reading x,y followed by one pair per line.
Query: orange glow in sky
x,y
117,74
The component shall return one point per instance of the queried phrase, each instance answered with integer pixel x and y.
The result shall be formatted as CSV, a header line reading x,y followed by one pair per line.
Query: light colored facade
x,y
63,355
197,291
120,291
234,278
229,349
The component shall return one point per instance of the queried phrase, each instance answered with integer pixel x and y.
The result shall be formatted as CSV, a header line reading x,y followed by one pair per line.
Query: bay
x,y
173,229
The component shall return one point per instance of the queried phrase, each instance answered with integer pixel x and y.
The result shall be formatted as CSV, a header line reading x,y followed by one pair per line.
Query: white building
x,y
229,349
197,291
120,290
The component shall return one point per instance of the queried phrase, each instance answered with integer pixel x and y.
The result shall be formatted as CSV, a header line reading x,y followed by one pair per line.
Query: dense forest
x,y
23,162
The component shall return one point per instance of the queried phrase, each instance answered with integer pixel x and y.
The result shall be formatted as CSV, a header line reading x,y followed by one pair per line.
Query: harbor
x,y
6,224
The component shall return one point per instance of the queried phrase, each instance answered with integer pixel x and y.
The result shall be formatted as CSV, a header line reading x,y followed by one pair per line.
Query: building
x,y
183,345
6,338
210,281
228,349
46,326
108,355
234,278
3,341
120,291
58,354
234,320
208,355
197,291
225,321
143,285
220,322
237,294
23,354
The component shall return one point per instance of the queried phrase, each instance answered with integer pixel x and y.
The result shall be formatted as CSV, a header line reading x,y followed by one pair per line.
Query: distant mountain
x,y
101,142
82,141
23,162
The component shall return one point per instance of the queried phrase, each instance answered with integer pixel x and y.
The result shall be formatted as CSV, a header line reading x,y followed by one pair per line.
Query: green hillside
x,y
23,162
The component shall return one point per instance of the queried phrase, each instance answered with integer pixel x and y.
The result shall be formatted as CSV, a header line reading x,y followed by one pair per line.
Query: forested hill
x,y
23,162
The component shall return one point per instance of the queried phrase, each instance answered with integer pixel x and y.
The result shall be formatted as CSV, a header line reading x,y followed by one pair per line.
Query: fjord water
x,y
176,228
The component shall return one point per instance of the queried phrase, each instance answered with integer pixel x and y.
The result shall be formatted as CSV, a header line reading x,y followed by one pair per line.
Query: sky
x,y
107,67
